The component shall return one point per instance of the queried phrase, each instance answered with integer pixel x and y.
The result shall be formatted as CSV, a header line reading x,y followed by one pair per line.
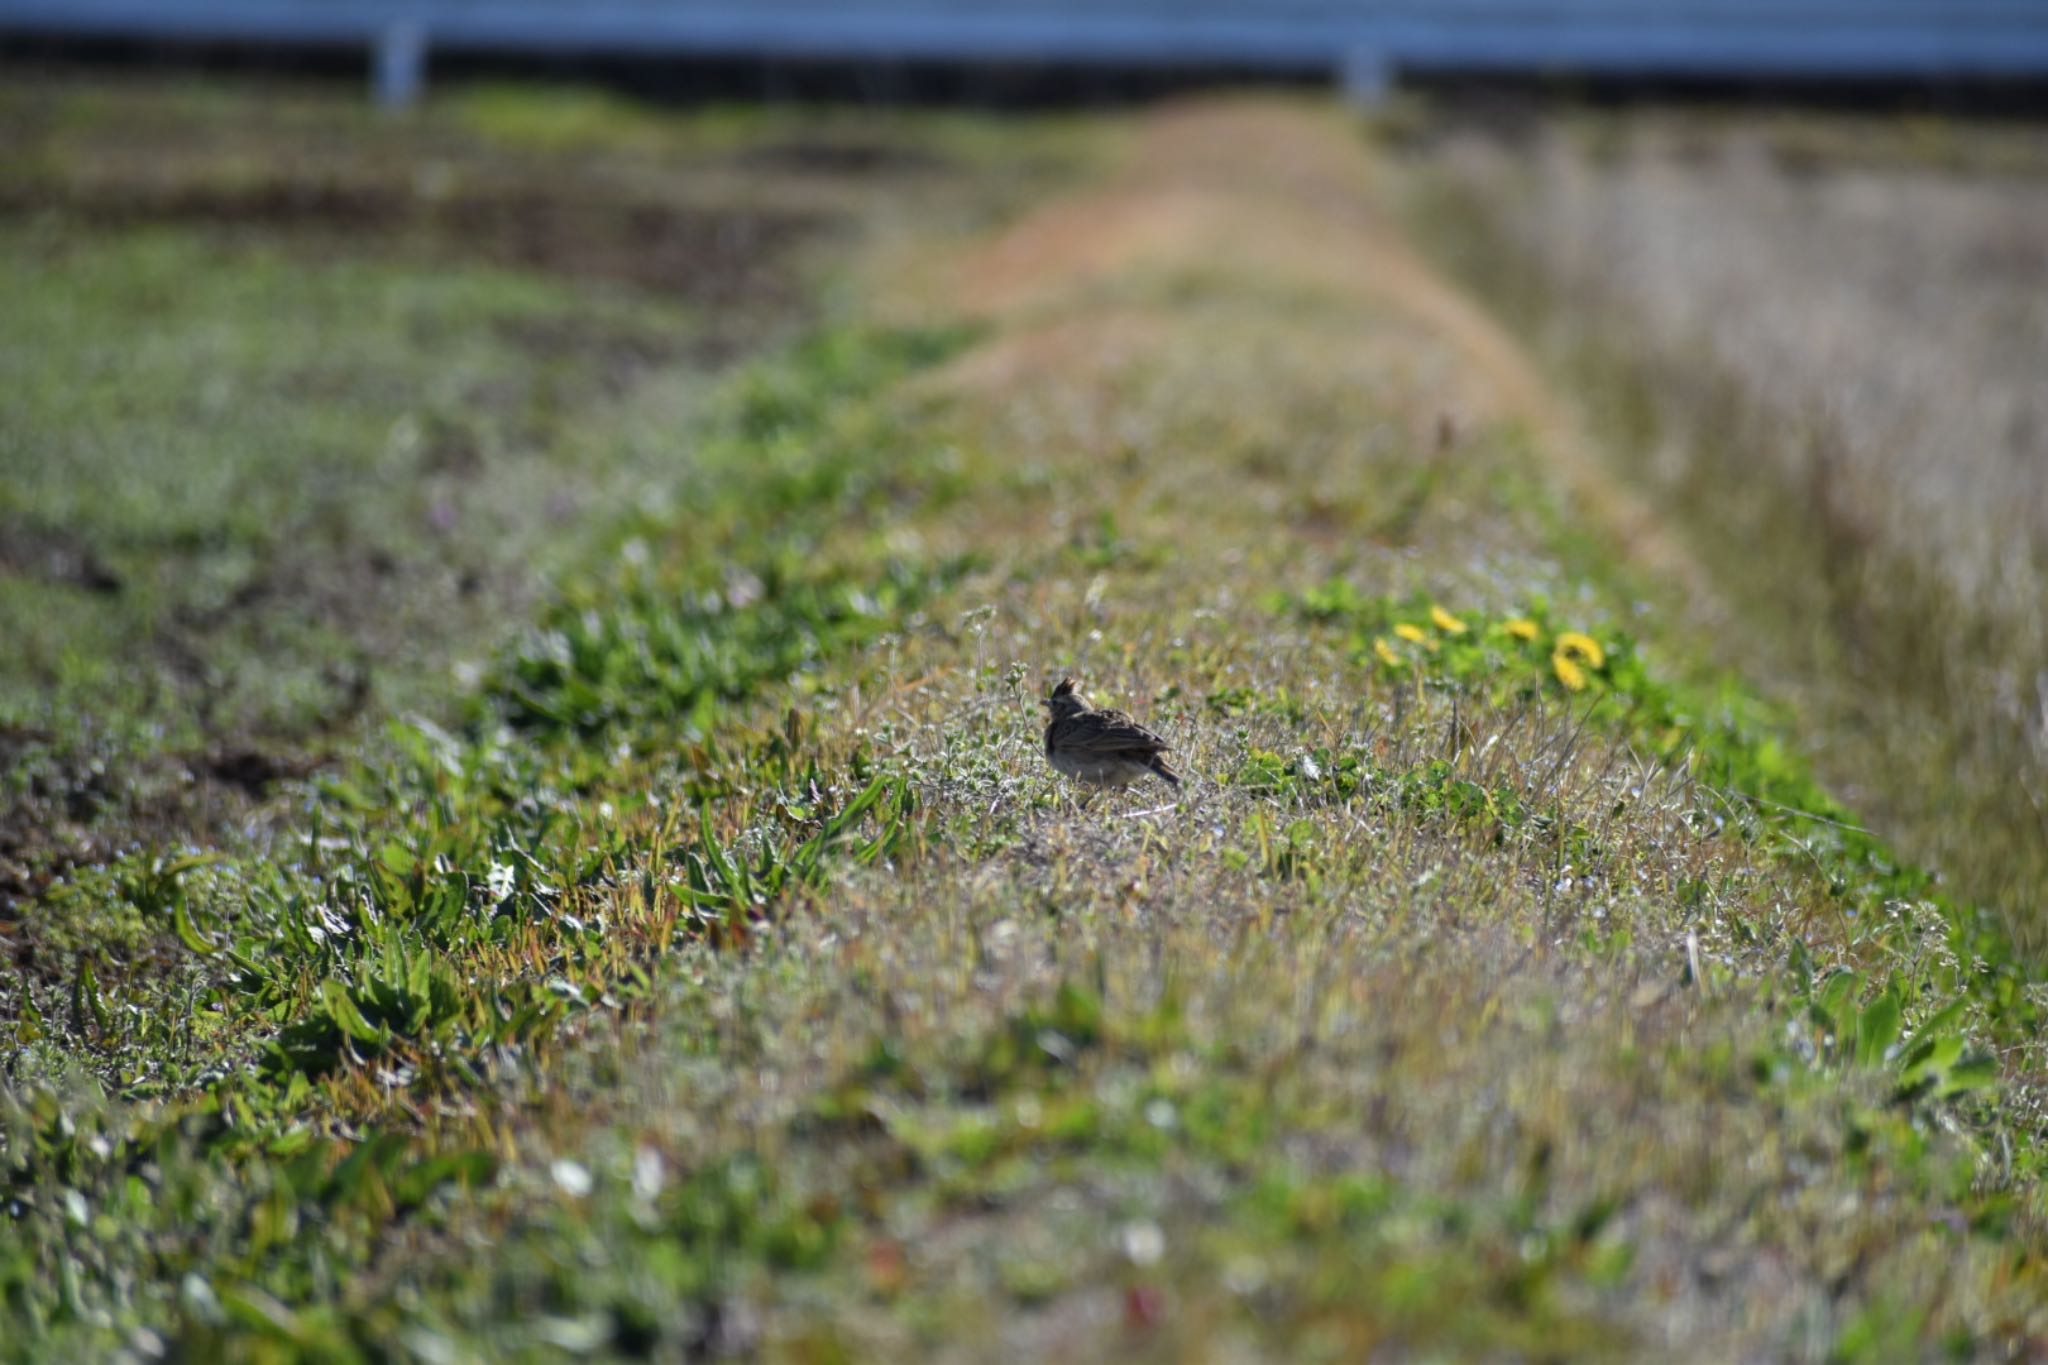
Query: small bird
x,y
1100,748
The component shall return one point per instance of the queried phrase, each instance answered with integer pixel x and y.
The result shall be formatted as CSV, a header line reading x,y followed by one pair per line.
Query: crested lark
x,y
1100,748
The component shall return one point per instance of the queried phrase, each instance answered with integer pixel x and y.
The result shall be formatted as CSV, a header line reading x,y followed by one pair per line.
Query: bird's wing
x,y
1113,732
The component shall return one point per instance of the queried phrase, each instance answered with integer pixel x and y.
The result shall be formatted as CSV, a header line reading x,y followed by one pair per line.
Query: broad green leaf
x,y
1973,1073
188,932
1878,1029
341,1008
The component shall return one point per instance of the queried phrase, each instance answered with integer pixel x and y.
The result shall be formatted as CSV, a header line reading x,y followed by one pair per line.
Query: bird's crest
x,y
1065,688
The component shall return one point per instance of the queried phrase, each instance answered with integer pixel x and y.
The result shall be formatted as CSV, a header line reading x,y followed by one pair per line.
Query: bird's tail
x,y
1163,768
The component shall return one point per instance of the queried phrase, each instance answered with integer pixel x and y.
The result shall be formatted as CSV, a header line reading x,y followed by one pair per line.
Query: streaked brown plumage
x,y
1100,748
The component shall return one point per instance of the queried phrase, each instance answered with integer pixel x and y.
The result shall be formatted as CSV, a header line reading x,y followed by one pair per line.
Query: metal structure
x,y
1366,44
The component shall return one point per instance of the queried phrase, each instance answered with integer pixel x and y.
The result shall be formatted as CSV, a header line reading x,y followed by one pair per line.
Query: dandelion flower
x,y
1522,628
1386,652
1445,622
1568,671
1412,634
1584,648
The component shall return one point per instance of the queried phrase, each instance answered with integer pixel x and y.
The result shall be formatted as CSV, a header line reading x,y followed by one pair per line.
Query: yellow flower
x,y
1412,634
1523,628
1568,671
1445,622
1386,652
1584,648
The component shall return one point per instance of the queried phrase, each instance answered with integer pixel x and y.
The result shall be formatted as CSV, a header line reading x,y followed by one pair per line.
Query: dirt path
x,y
1290,196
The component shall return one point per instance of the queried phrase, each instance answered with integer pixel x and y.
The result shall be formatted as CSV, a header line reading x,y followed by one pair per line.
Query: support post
x,y
1366,77
398,63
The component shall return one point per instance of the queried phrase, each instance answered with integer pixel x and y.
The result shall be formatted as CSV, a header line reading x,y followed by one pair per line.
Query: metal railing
x,y
1364,43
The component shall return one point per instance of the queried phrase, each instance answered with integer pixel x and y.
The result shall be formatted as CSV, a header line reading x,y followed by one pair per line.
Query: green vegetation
x,y
723,972
449,907
305,410
1731,752
190,430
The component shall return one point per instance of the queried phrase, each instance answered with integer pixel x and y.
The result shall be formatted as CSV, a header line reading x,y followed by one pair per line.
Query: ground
x,y
717,968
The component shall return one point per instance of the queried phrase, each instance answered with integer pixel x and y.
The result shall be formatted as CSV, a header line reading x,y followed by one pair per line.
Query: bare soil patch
x,y
727,257
54,555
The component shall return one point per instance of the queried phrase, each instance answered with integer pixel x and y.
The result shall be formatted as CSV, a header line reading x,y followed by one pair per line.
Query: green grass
x,y
215,424
259,503
453,914
727,974
303,411
440,917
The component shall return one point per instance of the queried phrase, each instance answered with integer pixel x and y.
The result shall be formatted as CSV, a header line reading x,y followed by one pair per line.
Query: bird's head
x,y
1065,699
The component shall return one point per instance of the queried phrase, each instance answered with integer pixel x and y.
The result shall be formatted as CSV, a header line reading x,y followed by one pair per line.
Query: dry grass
x,y
1247,1076
1819,345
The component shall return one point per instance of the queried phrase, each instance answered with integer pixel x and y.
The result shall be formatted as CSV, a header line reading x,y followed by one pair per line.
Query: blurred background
x,y
1368,45
1789,256
1049,46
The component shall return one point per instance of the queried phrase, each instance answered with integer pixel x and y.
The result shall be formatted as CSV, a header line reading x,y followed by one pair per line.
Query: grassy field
x,y
712,967
305,409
